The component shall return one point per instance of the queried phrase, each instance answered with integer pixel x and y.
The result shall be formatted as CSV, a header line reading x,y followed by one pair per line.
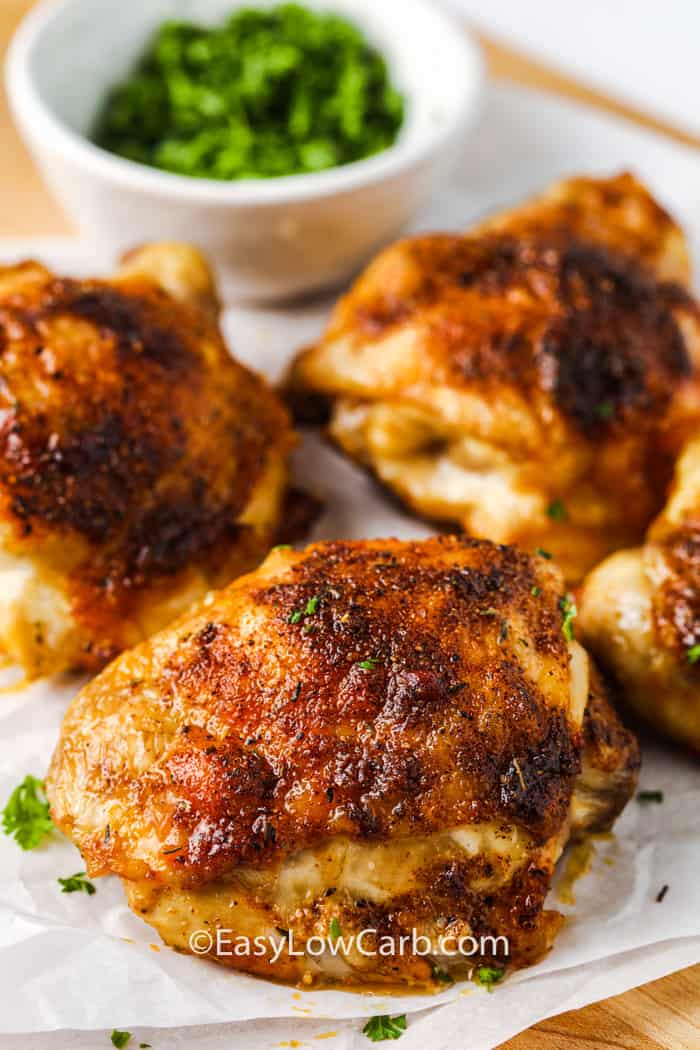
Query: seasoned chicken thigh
x,y
640,612
139,463
377,735
530,382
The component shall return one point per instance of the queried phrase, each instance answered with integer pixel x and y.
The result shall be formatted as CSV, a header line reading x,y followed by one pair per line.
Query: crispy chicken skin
x,y
530,382
610,763
640,612
384,733
618,213
139,463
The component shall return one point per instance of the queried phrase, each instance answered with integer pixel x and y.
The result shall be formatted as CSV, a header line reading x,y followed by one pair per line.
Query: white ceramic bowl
x,y
271,238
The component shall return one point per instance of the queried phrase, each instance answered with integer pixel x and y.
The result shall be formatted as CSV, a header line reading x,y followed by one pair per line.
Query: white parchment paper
x,y
71,962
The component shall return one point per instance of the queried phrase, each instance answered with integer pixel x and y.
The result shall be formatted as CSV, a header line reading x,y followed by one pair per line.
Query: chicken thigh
x,y
139,463
530,382
640,612
375,736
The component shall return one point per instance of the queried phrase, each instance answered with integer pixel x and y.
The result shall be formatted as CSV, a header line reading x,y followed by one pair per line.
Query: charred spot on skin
x,y
618,345
129,321
414,698
208,634
531,781
476,585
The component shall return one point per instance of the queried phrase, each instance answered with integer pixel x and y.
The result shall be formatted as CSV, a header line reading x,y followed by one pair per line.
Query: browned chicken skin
x,y
640,612
386,734
610,763
139,463
530,382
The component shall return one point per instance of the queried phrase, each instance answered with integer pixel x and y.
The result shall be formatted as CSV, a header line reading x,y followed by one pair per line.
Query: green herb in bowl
x,y
273,92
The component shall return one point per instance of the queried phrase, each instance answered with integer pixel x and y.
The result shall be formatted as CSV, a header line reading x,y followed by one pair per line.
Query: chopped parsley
x,y
384,1027
309,609
557,511
568,608
543,553
76,883
268,92
535,592
120,1039
488,976
369,664
26,814
604,410
693,654
335,930
644,797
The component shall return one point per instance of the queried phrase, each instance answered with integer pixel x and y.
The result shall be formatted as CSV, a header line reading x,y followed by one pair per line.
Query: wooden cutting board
x,y
665,1013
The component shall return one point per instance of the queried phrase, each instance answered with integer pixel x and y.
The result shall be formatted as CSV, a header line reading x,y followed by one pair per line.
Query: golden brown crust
x,y
541,352
676,601
672,561
640,612
564,324
130,442
368,690
618,213
372,736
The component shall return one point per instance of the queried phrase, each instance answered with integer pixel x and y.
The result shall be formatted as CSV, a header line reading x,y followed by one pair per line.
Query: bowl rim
x,y
30,110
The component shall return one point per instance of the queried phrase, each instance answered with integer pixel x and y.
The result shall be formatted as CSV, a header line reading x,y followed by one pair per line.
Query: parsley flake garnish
x,y
26,814
335,930
557,511
369,664
77,882
384,1027
120,1039
535,592
643,797
604,410
568,607
693,654
488,976
309,609
543,553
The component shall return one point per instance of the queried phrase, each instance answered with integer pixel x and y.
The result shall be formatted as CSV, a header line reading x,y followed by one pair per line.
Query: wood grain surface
x,y
664,1014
